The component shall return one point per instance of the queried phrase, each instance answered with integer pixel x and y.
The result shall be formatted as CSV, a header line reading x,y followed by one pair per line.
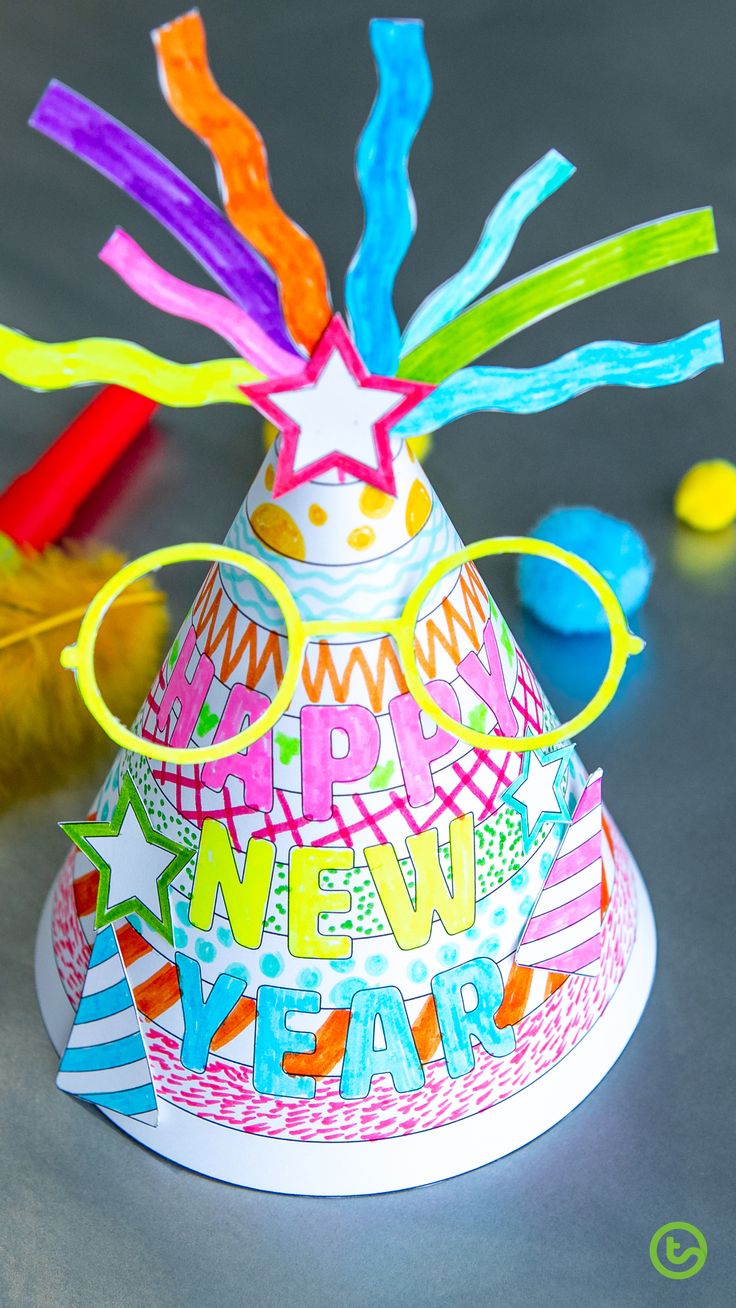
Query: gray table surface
x,y
641,95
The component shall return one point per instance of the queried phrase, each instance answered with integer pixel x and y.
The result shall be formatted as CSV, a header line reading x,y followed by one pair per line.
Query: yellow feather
x,y
45,730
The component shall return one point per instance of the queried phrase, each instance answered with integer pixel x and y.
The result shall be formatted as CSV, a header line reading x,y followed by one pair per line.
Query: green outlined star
x,y
136,864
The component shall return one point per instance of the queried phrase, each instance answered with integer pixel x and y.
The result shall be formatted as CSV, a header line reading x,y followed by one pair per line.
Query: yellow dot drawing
x,y
418,508
278,529
375,503
361,538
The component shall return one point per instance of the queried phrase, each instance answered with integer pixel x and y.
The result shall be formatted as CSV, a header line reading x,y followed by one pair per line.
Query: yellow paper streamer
x,y
49,366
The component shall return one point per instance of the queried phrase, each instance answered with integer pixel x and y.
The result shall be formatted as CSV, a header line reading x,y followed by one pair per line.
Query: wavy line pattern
x,y
172,295
140,171
381,165
340,592
54,366
545,290
194,96
531,390
496,241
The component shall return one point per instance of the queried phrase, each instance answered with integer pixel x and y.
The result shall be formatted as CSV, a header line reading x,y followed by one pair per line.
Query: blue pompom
x,y
561,600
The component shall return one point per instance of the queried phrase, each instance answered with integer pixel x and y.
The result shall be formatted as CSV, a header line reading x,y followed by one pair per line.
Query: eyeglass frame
x,y
79,657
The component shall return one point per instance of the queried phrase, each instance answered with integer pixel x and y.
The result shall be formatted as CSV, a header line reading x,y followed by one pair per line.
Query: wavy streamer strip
x,y
140,171
235,142
381,165
172,295
496,241
545,290
54,366
601,363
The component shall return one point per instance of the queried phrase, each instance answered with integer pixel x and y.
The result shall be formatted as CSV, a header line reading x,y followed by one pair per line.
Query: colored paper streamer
x,y
194,96
140,171
164,291
381,165
531,390
493,249
545,290
48,366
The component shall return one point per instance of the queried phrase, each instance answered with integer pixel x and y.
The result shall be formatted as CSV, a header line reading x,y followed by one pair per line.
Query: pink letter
x,y
490,686
417,751
254,766
190,694
321,767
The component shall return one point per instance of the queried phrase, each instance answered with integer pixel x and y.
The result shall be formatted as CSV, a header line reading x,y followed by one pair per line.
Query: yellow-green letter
x,y
245,900
307,900
412,920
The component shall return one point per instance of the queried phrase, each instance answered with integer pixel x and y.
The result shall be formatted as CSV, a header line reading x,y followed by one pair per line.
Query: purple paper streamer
x,y
144,174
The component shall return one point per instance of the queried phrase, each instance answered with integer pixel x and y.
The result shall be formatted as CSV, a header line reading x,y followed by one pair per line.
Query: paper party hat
x,y
392,934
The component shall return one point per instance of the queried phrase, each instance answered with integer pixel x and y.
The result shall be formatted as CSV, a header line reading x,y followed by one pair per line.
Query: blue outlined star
x,y
537,792
136,864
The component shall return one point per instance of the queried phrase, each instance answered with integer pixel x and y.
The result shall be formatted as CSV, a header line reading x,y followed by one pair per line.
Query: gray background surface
x,y
641,95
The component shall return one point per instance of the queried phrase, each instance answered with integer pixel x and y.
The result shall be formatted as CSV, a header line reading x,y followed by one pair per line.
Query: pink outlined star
x,y
334,409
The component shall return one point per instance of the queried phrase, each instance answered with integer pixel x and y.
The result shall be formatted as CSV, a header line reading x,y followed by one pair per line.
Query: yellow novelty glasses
x,y
81,656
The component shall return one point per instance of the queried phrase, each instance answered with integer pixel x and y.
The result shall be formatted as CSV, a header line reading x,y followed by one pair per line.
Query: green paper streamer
x,y
545,290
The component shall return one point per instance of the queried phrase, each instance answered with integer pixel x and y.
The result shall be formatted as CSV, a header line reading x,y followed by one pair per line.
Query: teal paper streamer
x,y
530,390
497,239
381,166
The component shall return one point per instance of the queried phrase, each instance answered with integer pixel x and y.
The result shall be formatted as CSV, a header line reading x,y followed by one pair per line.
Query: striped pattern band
x,y
563,933
105,1059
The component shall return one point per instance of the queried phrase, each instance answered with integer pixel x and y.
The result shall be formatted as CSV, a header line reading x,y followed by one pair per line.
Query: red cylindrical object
x,y
38,506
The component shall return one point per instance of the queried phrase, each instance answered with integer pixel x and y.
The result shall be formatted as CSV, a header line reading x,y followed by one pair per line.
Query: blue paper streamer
x,y
530,390
381,165
496,241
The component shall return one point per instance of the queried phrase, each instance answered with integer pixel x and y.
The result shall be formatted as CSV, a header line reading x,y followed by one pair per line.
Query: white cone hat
x,y
360,955
490,941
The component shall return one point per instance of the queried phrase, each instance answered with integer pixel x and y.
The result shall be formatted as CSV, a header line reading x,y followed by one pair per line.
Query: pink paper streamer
x,y
164,291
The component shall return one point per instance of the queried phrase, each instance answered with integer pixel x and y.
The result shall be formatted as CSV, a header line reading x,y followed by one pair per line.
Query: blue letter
x,y
381,1008
203,1017
457,1023
274,1039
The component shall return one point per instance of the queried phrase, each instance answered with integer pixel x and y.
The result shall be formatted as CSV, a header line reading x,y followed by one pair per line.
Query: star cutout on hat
x,y
136,864
335,414
537,792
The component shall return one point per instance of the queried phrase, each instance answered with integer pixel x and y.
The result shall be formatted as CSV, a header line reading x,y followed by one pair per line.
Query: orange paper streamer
x,y
196,99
